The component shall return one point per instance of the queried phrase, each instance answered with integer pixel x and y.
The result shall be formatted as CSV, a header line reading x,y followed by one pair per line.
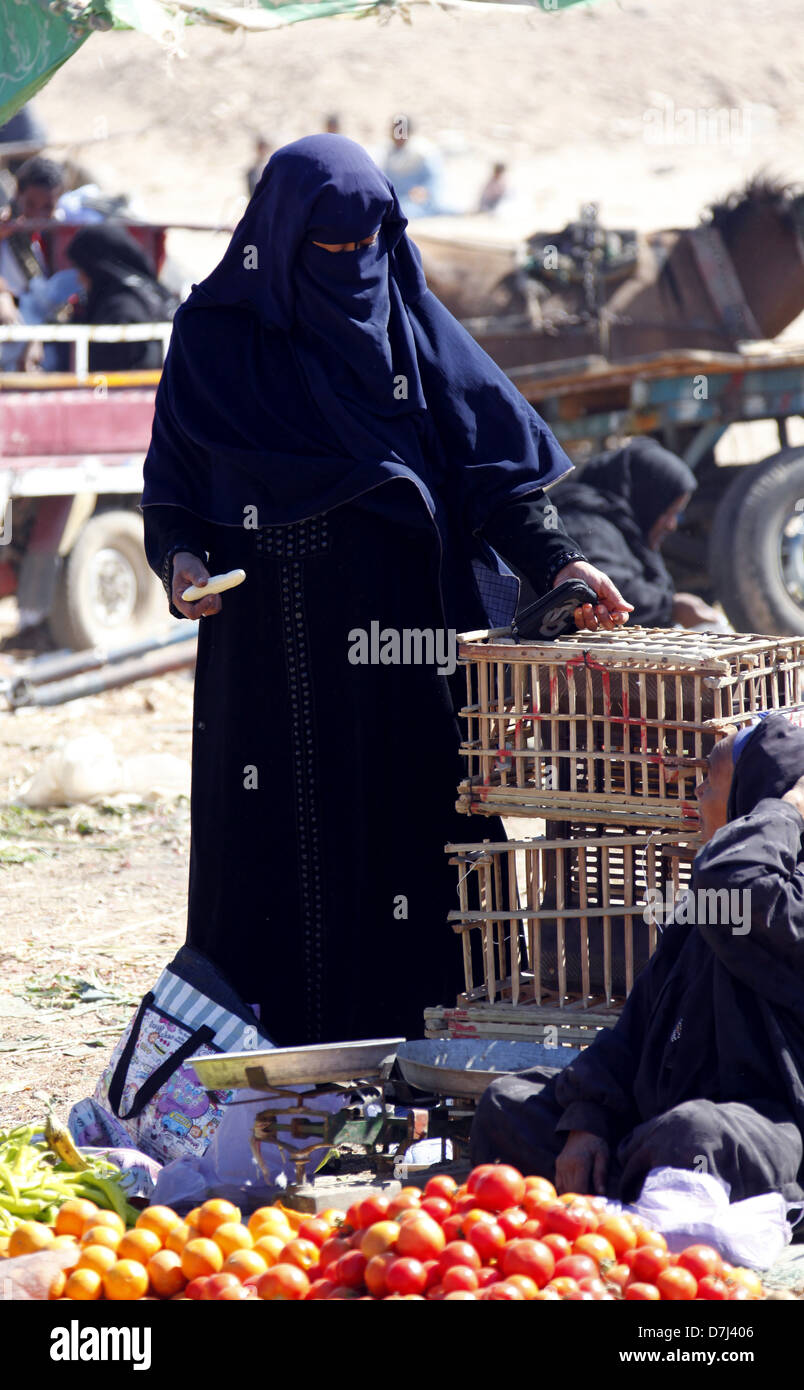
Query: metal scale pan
x,y
296,1066
464,1067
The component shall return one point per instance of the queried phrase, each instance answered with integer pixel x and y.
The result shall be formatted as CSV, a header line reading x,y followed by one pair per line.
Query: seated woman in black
x,y
619,511
121,287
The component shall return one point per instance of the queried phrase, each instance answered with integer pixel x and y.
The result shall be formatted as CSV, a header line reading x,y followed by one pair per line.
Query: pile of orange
x,y
163,1256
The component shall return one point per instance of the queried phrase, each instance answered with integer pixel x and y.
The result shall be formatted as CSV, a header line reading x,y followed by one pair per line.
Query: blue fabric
x,y
299,379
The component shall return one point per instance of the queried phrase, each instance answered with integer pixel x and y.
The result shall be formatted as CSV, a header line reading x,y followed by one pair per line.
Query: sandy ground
x,y
650,108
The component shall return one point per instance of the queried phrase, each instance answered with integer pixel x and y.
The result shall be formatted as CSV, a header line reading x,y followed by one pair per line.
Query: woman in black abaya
x,y
323,422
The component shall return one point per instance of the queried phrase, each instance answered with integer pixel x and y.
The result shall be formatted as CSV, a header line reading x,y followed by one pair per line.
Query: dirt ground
x,y
93,897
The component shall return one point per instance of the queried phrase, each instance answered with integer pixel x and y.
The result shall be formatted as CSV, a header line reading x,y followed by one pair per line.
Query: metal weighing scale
x,y
392,1094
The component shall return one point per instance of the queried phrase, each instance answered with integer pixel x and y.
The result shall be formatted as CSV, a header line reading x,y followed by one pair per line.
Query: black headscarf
x,y
637,483
299,379
116,265
770,762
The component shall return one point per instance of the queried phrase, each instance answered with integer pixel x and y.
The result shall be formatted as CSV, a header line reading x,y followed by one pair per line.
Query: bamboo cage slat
x,y
623,721
566,916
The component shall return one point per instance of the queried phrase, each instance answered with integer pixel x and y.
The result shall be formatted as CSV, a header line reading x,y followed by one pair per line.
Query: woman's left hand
x,y
612,610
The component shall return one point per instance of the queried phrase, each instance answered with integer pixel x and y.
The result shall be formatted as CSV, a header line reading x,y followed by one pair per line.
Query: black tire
x,y
106,594
758,533
723,559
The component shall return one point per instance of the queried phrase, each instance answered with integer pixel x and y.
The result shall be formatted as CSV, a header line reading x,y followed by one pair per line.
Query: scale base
x,y
325,1193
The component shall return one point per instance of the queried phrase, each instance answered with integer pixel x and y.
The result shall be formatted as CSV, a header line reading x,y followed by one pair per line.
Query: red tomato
x,y
527,1286
542,1187
577,1267
488,1238
195,1288
421,1237
437,1207
487,1275
647,1293
619,1275
533,1228
739,1294
559,1245
596,1287
441,1186
460,1277
536,1204
648,1264
466,1204
502,1292
435,1294
302,1253
284,1283
372,1209
475,1176
403,1201
700,1260
562,1285
579,1296
459,1252
375,1272
314,1229
532,1258
500,1188
433,1273
319,1289
570,1221
353,1216
405,1275
645,1236
596,1246
677,1285
350,1269
214,1285
512,1221
710,1287
619,1232
453,1227
332,1250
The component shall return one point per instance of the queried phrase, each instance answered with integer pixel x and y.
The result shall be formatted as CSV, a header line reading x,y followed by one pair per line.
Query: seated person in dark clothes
x,y
620,510
121,287
704,1069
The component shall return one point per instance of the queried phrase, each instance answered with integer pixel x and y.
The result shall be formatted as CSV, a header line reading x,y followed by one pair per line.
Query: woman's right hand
x,y
189,569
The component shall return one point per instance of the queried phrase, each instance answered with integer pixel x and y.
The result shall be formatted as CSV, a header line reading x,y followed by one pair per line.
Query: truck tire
x,y
758,546
106,594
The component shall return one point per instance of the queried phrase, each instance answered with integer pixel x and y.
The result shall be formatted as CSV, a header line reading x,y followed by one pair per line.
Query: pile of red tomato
x,y
497,1237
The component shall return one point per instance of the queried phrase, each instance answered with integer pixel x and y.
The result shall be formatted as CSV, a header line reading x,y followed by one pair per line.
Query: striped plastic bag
x,y
148,1091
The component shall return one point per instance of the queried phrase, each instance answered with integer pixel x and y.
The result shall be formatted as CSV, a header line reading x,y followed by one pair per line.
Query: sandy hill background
x,y
650,107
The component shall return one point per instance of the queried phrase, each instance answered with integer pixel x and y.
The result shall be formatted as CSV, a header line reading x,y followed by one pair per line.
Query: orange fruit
x,y
97,1257
106,1218
201,1256
192,1216
139,1244
232,1236
270,1247
160,1220
29,1237
748,1279
84,1285
178,1236
214,1213
101,1235
270,1217
126,1281
73,1215
245,1263
64,1243
58,1285
165,1274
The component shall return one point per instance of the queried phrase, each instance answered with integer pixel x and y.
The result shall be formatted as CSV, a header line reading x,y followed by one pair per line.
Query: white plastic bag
x,y
688,1208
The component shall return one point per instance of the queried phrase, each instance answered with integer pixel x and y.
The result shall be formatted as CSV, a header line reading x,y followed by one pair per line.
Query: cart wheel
x,y
758,546
106,593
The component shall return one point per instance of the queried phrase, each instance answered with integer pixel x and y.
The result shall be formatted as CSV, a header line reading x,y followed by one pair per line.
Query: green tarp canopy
x,y
37,36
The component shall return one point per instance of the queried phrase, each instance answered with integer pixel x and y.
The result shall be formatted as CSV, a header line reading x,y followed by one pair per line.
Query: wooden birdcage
x,y
550,923
616,721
